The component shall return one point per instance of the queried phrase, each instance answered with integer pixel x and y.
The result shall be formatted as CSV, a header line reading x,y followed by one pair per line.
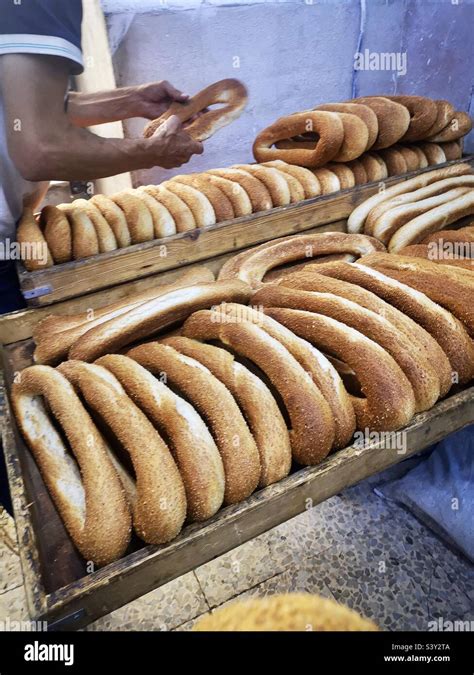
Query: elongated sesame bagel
x,y
53,344
88,494
394,161
254,399
327,125
217,406
57,233
441,324
296,190
306,178
182,215
275,183
312,426
439,254
389,402
199,204
229,92
459,126
460,205
365,113
385,226
236,194
328,181
314,363
330,281
465,234
358,216
393,119
191,444
412,158
115,217
257,192
452,150
160,507
356,138
139,220
423,113
252,266
344,174
358,170
154,315
105,235
220,201
289,612
422,159
444,114
163,221
374,166
434,153
85,241
421,375
451,288
284,270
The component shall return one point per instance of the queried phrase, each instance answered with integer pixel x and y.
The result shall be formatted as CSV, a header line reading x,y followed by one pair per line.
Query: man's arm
x,y
43,142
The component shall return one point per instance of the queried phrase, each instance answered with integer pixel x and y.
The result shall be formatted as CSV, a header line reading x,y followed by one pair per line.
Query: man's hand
x,y
173,145
155,98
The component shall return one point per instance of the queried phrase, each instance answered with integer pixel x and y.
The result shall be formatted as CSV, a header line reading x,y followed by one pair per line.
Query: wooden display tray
x,y
78,278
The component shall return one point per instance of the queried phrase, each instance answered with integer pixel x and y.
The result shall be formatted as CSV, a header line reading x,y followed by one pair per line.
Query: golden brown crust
x,y
393,119
201,207
437,254
459,126
312,426
221,203
275,183
236,194
57,233
255,400
433,152
358,170
257,192
105,235
306,178
180,211
465,234
85,242
229,92
422,159
344,174
328,181
394,161
89,495
29,236
217,406
192,446
374,166
423,113
389,402
139,220
452,150
356,138
444,114
365,113
163,221
115,218
412,158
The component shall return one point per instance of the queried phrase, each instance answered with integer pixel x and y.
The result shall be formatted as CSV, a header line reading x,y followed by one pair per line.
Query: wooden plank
x,y
19,325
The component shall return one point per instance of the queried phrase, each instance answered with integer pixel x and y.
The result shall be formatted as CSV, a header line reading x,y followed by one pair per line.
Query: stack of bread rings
x,y
211,389
368,138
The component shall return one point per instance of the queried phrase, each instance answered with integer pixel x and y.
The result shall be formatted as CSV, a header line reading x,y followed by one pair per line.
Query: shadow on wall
x,y
292,55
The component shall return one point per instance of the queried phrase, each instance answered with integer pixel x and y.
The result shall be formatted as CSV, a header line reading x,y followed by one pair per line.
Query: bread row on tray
x,y
342,132
102,224
294,367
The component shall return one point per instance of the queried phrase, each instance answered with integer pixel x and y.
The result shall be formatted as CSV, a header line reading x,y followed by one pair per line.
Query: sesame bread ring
x,y
328,181
257,192
328,279
464,235
344,174
254,264
85,242
421,375
452,150
53,344
393,119
445,112
139,220
154,315
115,217
306,178
356,138
459,126
199,204
374,166
327,125
230,92
389,402
179,210
441,324
36,254
394,161
255,400
423,113
357,168
318,367
57,233
296,190
410,156
87,492
365,113
105,235
275,183
160,507
422,159
163,221
312,426
236,194
192,446
221,203
434,153
217,406
284,270
358,216
437,255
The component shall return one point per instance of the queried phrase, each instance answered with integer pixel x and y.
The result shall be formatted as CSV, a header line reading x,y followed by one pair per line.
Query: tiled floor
x,y
357,548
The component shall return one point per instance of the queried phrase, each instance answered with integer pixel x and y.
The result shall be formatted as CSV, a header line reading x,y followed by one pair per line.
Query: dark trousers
x,y
10,300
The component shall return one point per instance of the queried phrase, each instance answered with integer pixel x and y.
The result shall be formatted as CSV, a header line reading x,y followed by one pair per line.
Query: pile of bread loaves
x,y
379,135
210,389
